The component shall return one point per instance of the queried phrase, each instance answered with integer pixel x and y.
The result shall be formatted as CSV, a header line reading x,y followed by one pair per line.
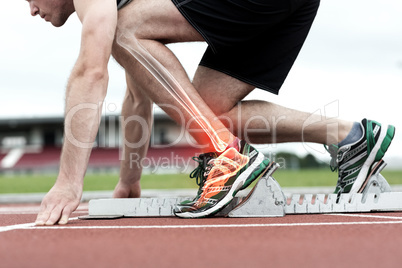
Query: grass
x,y
100,182
92,182
323,177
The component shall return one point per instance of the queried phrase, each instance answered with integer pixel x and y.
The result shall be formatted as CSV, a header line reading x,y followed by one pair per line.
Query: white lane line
x,y
58,227
24,226
368,216
16,227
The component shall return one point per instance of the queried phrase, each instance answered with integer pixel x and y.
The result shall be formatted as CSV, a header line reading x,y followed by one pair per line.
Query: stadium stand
x,y
48,158
34,144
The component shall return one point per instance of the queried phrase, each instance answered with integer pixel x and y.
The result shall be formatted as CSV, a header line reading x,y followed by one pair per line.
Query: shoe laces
x,y
200,173
333,151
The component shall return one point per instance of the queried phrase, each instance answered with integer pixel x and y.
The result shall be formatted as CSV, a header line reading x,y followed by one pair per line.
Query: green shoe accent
x,y
256,173
215,194
354,161
370,136
386,143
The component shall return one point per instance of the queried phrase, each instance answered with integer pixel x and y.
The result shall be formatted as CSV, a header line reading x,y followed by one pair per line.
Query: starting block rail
x,y
266,199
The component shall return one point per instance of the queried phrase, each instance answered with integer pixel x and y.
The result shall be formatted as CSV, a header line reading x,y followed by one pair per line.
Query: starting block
x,y
266,199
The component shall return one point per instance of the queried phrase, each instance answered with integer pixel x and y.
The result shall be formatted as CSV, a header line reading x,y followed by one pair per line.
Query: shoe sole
x,y
237,185
378,152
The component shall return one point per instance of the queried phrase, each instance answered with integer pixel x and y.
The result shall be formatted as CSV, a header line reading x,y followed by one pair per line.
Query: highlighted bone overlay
x,y
162,75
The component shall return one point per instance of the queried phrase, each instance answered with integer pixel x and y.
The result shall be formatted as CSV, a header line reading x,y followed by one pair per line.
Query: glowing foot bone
x,y
133,46
224,168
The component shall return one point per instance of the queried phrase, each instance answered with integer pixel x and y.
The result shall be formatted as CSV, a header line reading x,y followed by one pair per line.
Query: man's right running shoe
x,y
224,176
355,161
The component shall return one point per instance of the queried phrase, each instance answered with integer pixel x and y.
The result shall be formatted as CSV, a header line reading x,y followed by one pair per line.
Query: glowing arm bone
x,y
133,46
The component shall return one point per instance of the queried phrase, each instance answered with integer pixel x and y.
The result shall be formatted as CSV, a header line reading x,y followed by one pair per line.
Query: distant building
x,y
30,144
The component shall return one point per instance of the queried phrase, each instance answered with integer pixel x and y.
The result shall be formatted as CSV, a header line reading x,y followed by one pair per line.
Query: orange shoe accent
x,y
224,167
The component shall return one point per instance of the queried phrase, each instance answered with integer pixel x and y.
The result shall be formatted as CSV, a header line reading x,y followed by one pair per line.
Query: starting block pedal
x,y
266,199
375,196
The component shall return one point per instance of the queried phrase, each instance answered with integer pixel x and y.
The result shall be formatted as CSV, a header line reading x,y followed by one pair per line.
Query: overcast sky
x,y
351,63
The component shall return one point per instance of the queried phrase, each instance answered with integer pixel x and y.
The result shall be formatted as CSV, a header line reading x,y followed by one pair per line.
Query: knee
x,y
220,105
136,19
221,110
133,15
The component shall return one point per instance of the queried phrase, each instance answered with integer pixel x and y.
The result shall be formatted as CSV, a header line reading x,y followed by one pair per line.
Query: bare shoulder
x,y
99,21
95,7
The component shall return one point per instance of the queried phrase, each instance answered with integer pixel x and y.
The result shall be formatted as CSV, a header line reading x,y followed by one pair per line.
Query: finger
x,y
65,215
54,216
43,215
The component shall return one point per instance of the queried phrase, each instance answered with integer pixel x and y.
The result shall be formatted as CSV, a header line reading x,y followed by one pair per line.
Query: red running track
x,y
349,240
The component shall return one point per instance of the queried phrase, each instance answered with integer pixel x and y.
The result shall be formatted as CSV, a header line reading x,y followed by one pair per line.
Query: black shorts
x,y
255,41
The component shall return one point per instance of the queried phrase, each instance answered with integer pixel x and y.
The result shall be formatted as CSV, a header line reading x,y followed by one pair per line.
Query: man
x,y
251,44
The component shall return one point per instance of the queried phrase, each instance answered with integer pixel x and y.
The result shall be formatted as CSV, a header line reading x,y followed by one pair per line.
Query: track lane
x,y
327,240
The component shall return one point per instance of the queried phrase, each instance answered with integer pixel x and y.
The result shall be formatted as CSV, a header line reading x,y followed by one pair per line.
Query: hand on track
x,y
58,204
127,189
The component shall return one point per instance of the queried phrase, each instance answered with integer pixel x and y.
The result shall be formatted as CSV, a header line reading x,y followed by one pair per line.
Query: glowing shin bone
x,y
133,46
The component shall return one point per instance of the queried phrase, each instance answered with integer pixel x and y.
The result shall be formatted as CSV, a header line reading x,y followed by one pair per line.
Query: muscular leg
x,y
154,23
136,138
261,121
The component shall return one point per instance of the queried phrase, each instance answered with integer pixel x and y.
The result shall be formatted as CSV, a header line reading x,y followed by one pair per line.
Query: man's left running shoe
x,y
226,174
200,173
